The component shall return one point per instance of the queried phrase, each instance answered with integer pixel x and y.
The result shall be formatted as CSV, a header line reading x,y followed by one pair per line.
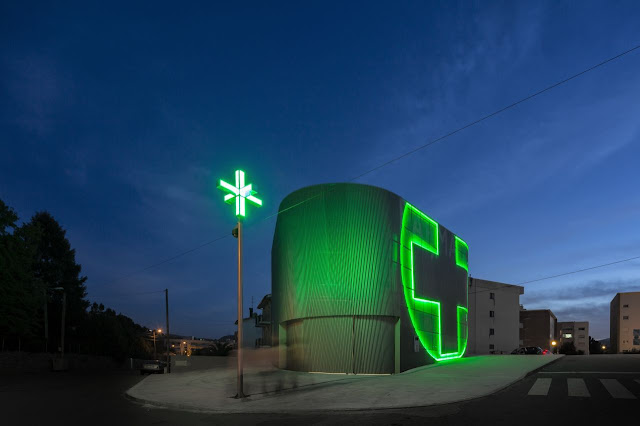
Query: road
x,y
596,388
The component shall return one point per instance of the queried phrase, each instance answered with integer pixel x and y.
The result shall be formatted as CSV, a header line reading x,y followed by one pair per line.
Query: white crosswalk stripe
x,y
577,387
540,387
616,389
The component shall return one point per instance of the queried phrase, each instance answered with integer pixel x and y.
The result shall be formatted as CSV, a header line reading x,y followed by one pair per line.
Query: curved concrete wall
x,y
363,282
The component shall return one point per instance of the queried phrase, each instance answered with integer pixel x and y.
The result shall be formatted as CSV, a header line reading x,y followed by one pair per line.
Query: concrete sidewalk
x,y
272,390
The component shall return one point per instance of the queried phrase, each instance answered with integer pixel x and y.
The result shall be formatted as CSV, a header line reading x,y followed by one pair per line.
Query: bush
x,y
568,348
217,349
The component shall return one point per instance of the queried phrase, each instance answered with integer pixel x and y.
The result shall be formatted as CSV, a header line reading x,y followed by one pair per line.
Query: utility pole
x,y
155,356
166,305
64,310
46,322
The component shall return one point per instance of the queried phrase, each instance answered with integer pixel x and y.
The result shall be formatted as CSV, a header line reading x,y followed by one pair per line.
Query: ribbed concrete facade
x,y
363,282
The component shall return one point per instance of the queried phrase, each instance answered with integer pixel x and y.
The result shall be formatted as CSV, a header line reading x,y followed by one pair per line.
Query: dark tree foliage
x,y
54,265
35,259
217,349
21,293
18,287
106,333
568,348
595,347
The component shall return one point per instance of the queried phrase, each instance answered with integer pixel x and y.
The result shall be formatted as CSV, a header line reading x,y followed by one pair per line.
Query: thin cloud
x,y
590,290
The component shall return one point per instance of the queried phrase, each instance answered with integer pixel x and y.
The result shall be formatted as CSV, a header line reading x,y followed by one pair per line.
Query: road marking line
x,y
577,387
616,389
540,387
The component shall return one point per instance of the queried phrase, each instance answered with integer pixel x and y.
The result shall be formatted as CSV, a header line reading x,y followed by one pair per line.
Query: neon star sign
x,y
239,193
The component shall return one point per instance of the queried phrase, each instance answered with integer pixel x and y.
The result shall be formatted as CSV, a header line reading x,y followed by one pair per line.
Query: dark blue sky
x,y
119,120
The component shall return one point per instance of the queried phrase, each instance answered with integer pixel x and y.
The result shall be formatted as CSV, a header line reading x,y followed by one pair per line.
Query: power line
x,y
493,114
162,262
560,275
406,154
129,294
580,270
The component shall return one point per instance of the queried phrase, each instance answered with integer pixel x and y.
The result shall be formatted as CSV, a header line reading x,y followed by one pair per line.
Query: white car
x,y
153,366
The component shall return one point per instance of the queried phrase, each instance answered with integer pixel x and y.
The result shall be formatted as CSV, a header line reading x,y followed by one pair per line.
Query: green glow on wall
x,y
239,193
462,254
423,233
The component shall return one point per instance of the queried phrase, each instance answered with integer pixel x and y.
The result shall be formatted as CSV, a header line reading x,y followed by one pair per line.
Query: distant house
x,y
251,333
256,328
184,345
264,320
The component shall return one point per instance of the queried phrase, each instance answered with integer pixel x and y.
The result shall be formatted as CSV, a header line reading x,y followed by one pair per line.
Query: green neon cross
x,y
239,193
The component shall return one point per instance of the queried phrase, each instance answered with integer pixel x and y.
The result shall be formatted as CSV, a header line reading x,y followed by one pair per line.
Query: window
x,y
567,335
492,347
625,317
492,296
581,328
625,306
492,314
581,336
491,332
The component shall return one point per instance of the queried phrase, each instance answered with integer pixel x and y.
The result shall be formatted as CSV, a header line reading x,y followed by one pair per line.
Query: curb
x,y
193,409
543,366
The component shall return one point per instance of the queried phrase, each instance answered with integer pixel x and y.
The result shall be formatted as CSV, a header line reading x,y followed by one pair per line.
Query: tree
x,y
217,349
54,265
20,292
595,347
568,348
37,257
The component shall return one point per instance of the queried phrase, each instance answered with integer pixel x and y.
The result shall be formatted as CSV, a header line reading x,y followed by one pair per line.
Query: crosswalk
x,y
577,387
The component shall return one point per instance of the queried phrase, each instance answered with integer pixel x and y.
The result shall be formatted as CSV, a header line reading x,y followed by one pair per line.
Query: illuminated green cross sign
x,y
239,193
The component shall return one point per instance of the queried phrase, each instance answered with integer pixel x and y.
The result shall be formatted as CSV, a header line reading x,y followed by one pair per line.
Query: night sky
x,y
119,118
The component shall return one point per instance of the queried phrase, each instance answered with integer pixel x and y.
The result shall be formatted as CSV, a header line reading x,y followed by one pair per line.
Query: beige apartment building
x,y
625,322
494,317
576,332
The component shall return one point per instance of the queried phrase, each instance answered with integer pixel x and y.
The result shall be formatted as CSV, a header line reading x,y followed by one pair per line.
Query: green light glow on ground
x,y
420,230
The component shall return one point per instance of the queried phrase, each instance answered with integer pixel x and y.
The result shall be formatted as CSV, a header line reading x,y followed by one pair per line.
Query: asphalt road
x,y
596,388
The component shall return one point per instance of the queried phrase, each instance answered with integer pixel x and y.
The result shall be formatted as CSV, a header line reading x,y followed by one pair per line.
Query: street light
x,y
155,356
554,344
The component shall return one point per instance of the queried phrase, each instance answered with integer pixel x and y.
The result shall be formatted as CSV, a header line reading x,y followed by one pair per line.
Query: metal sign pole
x,y
238,195
240,325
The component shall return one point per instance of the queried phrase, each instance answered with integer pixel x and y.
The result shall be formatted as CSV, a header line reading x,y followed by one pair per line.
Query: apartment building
x,y
625,322
494,317
538,328
576,332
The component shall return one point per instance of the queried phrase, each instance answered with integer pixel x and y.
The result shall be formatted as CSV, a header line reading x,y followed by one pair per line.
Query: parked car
x,y
527,350
153,366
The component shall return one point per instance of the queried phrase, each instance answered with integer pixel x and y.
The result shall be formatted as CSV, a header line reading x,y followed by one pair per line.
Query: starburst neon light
x,y
239,193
